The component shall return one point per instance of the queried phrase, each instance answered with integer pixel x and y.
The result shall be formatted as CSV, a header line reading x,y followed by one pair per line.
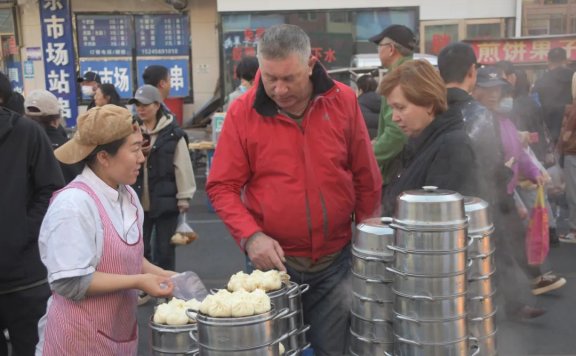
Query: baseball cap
x,y
488,77
90,77
399,34
146,94
41,103
97,126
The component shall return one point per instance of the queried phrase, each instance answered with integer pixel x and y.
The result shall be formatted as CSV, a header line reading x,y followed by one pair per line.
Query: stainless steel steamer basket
x,y
424,262
362,346
169,339
479,221
418,240
430,209
369,308
373,236
480,306
370,267
428,308
482,286
462,347
372,288
483,265
372,329
228,334
429,286
430,331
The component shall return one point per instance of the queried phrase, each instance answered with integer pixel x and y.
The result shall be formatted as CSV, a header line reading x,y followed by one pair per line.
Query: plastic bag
x,y
537,239
188,285
184,234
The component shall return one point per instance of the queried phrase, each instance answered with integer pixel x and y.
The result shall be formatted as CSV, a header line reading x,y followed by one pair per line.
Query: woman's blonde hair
x,y
420,83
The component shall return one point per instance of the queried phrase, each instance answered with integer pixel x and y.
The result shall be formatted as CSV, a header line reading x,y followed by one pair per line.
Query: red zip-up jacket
x,y
299,185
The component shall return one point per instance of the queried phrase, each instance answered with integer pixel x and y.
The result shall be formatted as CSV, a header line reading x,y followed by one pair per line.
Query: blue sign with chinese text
x,y
59,60
179,74
116,72
162,35
15,77
104,35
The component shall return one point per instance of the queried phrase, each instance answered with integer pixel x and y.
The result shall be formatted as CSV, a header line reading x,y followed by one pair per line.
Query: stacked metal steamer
x,y
258,335
430,274
372,298
292,325
243,336
481,289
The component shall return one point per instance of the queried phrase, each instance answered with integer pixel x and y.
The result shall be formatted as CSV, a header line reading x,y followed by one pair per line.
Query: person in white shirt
x,y
91,243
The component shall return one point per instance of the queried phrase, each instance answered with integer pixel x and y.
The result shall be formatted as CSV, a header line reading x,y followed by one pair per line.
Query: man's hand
x,y
265,252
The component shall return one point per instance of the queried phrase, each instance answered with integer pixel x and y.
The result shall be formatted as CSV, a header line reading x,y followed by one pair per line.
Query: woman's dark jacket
x,y
161,176
440,156
370,103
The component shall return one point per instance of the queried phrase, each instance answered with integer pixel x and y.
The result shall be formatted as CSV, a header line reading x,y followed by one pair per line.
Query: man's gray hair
x,y
281,41
404,52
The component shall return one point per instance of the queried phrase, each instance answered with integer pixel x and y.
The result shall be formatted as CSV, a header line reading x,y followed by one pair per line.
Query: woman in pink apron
x,y
91,243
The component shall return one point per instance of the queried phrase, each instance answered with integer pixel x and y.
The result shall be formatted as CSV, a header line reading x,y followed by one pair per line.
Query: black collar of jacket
x,y
321,83
457,95
447,121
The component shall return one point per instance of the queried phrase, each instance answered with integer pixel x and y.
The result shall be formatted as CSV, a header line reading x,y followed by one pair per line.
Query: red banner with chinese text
x,y
522,50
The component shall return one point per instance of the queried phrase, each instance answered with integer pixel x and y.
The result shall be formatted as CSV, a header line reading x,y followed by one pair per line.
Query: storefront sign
x,y
33,53
529,50
179,73
15,77
104,35
162,35
28,70
114,71
56,24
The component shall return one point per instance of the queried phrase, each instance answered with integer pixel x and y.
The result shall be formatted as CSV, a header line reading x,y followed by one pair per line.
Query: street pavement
x,y
215,256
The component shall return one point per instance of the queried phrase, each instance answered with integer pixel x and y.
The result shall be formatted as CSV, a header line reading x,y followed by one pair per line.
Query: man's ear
x,y
311,63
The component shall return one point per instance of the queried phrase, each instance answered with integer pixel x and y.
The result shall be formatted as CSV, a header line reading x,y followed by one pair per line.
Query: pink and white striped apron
x,y
106,324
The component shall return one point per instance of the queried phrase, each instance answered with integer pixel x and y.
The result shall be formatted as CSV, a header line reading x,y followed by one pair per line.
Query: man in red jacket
x,y
293,169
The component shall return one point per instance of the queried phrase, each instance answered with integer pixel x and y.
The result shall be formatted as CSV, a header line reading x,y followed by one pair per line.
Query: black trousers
x,y
157,248
19,313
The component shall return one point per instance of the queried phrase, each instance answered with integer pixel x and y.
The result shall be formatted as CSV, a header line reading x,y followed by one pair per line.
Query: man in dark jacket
x,y
457,66
30,175
554,90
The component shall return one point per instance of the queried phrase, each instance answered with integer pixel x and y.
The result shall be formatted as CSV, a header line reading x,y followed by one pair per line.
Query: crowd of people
x,y
300,160
88,220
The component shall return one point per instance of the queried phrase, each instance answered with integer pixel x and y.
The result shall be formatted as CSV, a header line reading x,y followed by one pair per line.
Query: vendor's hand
x,y
156,286
168,273
265,252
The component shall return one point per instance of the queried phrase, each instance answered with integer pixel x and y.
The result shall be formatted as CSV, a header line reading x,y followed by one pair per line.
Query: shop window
x,y
9,51
557,26
483,31
439,36
340,17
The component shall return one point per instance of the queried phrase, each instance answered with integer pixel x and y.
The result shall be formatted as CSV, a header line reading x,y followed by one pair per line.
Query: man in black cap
x,y
554,89
396,45
89,83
